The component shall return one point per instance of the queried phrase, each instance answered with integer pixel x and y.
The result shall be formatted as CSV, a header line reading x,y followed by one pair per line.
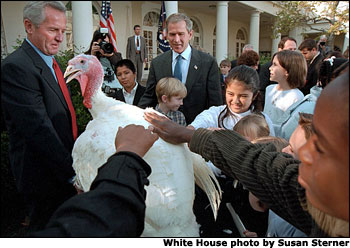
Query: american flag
x,y
106,21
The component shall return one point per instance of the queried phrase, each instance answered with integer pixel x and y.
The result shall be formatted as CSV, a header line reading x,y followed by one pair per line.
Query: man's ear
x,y
191,34
164,98
29,26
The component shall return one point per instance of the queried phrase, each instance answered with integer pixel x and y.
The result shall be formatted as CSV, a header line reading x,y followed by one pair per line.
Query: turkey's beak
x,y
71,72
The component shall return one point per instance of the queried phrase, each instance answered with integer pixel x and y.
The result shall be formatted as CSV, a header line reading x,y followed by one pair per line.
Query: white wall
x,y
12,17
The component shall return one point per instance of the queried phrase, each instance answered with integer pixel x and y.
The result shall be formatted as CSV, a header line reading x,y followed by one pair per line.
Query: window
x,y
240,42
150,28
151,19
196,40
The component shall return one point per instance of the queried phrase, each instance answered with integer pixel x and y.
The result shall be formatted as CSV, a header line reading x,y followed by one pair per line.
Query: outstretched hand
x,y
167,129
134,138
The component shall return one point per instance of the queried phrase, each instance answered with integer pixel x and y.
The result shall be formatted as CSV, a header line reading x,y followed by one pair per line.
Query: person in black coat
x,y
132,91
115,205
314,58
38,119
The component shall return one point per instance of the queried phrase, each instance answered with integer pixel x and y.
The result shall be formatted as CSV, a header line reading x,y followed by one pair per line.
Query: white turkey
x,y
175,168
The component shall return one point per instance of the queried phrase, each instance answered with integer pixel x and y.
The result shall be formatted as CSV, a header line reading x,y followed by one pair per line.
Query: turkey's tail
x,y
207,181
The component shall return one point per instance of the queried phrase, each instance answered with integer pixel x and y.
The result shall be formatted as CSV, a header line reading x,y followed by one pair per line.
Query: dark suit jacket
x,y
202,83
118,94
38,123
312,75
114,207
233,63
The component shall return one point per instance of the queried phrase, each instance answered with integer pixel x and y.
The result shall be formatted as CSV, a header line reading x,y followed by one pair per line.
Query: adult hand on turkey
x,y
167,129
134,138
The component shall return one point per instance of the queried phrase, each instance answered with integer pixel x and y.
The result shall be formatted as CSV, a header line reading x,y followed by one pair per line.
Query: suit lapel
x,y
193,70
168,59
120,95
45,71
138,94
165,69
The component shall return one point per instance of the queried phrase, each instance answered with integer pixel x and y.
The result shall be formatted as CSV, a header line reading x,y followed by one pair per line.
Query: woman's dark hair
x,y
295,65
250,78
95,37
125,62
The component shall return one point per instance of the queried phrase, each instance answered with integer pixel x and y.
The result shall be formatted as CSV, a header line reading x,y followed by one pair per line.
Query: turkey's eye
x,y
82,61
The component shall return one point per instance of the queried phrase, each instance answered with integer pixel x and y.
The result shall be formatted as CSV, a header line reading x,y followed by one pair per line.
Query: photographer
x,y
322,47
102,48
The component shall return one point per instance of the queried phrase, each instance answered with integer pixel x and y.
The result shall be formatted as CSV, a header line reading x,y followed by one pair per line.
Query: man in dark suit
x,y
136,51
197,70
132,91
39,115
313,58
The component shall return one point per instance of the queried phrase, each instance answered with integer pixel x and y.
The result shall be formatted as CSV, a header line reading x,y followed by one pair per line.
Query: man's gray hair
x,y
35,10
323,36
248,47
178,17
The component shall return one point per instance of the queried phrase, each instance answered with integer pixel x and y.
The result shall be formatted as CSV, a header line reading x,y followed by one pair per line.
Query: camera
x,y
109,76
322,43
106,47
108,79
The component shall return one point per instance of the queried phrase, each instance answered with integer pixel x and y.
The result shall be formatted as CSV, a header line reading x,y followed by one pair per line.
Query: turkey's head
x,y
88,70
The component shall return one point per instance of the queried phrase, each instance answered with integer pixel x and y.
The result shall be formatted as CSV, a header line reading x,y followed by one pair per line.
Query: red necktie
x,y
65,92
137,41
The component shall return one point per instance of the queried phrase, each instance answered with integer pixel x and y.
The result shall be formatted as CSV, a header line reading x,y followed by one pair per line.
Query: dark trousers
x,y
139,67
42,206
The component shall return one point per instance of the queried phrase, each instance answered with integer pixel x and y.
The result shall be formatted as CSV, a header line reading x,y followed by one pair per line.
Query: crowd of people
x,y
276,135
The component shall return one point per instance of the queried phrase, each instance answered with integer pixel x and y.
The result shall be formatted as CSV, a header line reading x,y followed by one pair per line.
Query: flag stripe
x,y
107,21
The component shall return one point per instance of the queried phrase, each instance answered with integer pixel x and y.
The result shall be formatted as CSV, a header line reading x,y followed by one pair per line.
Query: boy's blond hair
x,y
169,87
252,126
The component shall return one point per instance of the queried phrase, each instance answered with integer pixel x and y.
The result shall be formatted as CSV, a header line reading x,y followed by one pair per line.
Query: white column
x,y
82,25
170,7
254,29
275,41
221,30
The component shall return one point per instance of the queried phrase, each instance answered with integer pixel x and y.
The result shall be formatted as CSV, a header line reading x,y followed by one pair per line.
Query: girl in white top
x,y
241,96
241,100
289,70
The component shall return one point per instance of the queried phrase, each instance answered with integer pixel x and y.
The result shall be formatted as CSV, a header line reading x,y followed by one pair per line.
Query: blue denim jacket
x,y
288,120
